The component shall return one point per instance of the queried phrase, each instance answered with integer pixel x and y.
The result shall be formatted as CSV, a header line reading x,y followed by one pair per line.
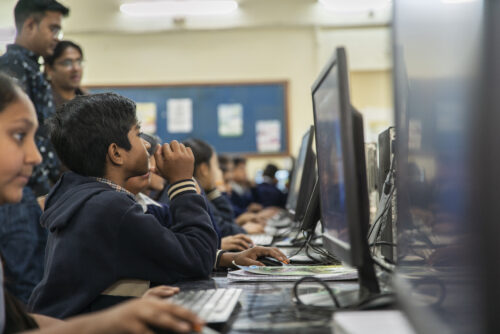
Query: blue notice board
x,y
263,105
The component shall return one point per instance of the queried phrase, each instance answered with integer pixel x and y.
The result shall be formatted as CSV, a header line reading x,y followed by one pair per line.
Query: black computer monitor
x,y
304,177
436,88
342,173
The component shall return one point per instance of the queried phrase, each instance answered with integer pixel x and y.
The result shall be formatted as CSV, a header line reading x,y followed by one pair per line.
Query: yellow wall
x,y
239,55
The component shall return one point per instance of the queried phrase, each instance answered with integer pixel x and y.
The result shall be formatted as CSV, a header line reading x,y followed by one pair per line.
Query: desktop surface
x,y
268,307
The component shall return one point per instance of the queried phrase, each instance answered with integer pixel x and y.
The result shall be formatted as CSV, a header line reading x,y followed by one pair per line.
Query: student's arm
x,y
137,316
185,250
44,321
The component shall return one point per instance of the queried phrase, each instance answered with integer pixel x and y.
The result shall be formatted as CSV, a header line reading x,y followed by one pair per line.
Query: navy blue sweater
x,y
268,194
99,236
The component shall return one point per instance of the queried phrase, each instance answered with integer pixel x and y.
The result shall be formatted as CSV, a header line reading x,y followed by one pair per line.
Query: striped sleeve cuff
x,y
181,187
217,258
213,194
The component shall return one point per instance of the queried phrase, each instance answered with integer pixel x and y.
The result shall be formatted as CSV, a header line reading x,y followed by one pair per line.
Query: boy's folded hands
x,y
175,162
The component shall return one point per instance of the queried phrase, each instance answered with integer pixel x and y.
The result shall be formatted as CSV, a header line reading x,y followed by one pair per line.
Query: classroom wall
x,y
240,55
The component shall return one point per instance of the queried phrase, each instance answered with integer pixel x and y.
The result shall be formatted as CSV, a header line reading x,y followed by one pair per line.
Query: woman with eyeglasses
x,y
64,70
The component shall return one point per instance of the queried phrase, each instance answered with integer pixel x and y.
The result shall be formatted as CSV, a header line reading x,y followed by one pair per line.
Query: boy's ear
x,y
29,24
115,154
203,169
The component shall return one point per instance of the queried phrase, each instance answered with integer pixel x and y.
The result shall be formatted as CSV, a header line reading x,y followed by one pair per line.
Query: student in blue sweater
x,y
102,247
267,193
18,125
206,171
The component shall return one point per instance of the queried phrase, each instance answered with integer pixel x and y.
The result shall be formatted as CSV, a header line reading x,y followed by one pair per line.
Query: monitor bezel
x,y
307,181
288,206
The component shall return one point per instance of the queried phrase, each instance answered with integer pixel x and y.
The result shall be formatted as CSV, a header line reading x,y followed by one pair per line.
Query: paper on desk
x,y
292,273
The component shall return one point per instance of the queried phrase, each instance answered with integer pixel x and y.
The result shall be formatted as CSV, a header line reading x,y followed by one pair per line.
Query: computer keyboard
x,y
213,305
262,239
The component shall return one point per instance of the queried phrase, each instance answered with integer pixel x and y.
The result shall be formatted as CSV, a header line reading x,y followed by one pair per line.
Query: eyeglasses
x,y
57,32
68,63
153,142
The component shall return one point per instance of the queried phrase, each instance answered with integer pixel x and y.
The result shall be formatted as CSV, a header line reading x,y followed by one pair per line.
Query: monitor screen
x,y
435,83
293,192
342,183
330,158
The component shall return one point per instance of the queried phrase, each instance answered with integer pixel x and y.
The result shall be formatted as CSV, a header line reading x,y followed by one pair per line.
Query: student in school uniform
x,y
267,193
207,171
245,257
242,191
100,240
18,125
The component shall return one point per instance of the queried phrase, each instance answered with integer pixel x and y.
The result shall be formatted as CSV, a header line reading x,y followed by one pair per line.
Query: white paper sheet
x,y
230,120
179,115
268,135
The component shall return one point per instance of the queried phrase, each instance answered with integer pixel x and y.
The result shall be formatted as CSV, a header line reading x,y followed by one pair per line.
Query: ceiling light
x,y
179,8
457,1
354,5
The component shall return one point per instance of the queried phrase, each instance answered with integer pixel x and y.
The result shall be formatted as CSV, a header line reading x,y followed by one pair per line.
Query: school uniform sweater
x,y
98,236
268,194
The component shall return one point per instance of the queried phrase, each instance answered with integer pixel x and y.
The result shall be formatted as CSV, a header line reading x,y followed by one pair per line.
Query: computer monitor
x,y
437,50
303,177
342,174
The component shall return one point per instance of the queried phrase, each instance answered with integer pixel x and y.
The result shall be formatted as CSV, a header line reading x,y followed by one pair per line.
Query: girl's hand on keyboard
x,y
161,291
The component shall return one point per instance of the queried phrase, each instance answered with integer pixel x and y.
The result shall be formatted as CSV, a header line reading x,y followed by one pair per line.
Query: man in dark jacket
x,y
102,246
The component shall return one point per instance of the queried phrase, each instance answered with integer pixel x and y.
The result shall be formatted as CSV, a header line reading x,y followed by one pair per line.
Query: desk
x,y
267,307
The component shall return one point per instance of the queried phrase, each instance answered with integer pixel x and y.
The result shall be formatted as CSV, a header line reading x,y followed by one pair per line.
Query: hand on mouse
x,y
249,257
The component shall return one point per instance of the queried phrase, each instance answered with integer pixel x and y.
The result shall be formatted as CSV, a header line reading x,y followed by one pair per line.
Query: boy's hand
x,y
139,315
175,162
238,242
161,291
250,256
253,228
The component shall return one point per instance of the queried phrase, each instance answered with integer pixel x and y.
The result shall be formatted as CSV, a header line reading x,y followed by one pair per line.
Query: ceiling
x,y
95,16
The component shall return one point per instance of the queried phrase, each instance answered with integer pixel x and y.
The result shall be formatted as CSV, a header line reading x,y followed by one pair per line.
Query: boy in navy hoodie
x,y
101,244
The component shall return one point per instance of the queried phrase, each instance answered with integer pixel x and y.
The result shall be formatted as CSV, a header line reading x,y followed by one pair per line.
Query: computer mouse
x,y
269,261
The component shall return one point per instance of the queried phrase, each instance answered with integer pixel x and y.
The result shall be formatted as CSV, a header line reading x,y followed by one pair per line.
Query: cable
x,y
312,278
301,247
383,243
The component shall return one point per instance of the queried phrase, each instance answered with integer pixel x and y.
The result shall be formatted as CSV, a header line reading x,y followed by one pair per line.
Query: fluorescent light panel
x,y
354,5
179,8
457,1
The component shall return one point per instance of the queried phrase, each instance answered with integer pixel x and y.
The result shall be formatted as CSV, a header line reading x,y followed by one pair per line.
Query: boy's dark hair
x,y
82,129
26,8
59,50
270,171
202,151
238,161
8,93
224,161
